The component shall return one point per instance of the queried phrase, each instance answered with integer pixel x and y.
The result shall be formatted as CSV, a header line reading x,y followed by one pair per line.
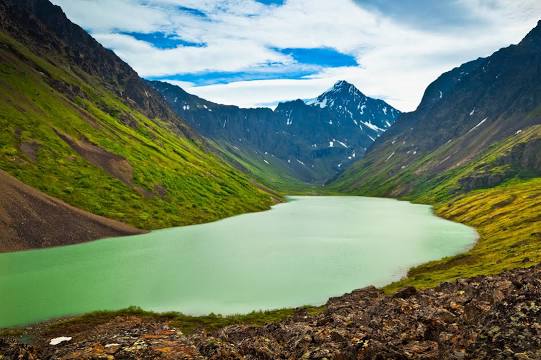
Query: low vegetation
x,y
65,134
507,218
272,173
417,181
186,323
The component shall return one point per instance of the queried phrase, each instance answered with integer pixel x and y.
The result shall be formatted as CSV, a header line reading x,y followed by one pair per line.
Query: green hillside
x,y
268,170
514,157
507,218
64,133
498,193
472,149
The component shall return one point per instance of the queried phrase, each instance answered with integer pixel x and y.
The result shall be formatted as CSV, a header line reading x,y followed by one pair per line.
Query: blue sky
x,y
253,52
162,40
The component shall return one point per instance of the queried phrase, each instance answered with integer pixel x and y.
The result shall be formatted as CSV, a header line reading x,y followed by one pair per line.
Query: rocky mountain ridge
x,y
311,140
45,29
463,115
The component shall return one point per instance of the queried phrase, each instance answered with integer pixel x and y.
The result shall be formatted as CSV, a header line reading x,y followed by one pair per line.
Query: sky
x,y
259,52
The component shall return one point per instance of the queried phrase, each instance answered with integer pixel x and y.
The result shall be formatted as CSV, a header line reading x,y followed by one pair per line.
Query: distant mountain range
x,y
307,140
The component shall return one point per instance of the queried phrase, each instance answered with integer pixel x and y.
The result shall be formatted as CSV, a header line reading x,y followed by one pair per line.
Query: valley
x,y
439,207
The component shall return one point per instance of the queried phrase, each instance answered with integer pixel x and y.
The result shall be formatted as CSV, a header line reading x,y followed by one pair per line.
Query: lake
x,y
299,253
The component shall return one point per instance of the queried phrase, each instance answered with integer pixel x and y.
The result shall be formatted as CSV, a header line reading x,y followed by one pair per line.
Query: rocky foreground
x,y
493,317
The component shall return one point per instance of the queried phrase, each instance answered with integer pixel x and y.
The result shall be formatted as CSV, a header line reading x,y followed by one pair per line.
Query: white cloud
x,y
228,55
259,92
397,60
109,15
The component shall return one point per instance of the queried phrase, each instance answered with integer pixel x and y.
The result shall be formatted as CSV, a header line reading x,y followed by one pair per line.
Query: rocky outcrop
x,y
523,159
482,180
490,317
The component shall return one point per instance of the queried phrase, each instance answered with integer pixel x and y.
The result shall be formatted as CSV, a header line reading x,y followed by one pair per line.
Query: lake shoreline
x,y
448,321
319,219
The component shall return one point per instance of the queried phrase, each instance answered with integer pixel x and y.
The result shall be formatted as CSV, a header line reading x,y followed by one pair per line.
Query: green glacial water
x,y
298,253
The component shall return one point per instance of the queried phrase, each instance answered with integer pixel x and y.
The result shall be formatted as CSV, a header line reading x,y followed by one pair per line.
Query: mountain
x,y
486,106
348,106
45,29
472,148
80,125
309,141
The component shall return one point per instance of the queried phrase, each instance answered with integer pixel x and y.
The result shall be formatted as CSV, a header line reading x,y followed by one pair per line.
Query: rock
x,y
406,292
111,348
59,340
491,317
338,336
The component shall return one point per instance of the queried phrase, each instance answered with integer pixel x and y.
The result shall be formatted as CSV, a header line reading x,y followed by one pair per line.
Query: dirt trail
x,y
114,164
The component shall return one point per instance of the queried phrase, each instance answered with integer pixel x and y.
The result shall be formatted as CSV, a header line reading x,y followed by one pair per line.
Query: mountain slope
x,y
30,219
462,114
473,149
309,141
45,29
80,125
507,218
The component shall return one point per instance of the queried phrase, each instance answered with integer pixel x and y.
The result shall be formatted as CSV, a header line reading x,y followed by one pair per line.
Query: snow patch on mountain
x,y
476,126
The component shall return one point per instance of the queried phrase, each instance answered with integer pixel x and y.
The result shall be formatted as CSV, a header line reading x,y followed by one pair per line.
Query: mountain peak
x,y
341,90
342,84
533,38
343,87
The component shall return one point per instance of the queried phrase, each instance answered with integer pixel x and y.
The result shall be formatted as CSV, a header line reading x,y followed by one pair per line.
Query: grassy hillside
x,y
65,134
498,193
508,220
268,170
476,127
518,156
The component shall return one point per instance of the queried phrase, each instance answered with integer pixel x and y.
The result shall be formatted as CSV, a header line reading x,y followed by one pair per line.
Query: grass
x,y
508,220
380,173
195,185
186,323
507,217
273,173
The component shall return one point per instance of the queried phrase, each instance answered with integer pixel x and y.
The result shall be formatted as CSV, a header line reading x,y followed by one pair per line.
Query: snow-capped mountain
x,y
350,103
311,140
344,112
